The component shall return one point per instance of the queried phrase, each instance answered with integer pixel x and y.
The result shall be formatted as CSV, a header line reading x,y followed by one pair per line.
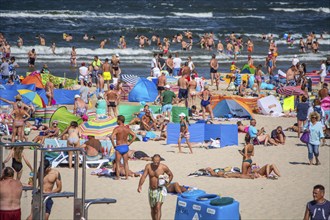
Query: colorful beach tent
x,y
247,69
200,132
144,90
234,107
64,118
34,78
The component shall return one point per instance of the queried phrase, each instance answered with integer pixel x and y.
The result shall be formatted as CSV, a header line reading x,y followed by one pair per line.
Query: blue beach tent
x,y
144,90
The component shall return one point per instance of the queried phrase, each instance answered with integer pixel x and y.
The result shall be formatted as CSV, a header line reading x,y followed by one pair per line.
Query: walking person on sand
x,y
184,132
157,185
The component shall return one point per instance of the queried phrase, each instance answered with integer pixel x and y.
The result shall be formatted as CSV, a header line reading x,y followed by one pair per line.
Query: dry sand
x,y
284,198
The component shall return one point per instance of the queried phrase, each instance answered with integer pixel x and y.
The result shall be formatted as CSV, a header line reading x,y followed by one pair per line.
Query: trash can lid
x,y
222,201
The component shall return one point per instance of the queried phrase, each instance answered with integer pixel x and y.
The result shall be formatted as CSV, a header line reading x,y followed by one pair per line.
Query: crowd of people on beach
x,y
311,120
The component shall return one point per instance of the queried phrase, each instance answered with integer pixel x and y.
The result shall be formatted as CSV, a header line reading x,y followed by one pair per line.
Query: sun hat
x,y
117,55
77,96
166,119
182,114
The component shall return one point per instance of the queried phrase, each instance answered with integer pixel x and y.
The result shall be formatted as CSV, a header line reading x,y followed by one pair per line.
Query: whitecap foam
x,y
196,15
66,14
322,9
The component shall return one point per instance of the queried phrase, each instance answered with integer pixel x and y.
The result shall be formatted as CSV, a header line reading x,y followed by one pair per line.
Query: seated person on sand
x,y
93,148
259,136
278,135
140,155
242,89
122,170
242,128
266,171
175,188
148,122
37,125
51,132
138,115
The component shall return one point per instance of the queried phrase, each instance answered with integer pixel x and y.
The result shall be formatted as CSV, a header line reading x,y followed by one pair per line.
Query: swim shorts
x,y
49,205
106,75
167,108
156,196
212,70
10,214
183,93
122,149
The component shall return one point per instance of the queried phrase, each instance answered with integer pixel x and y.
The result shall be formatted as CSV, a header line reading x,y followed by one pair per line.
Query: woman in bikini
x,y
184,132
205,96
20,116
266,171
73,139
247,154
17,155
119,89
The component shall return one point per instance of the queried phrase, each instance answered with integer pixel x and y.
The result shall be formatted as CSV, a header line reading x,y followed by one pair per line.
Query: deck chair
x,y
63,158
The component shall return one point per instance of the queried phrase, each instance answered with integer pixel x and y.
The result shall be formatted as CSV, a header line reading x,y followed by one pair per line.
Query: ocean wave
x,y
65,14
241,16
325,10
195,15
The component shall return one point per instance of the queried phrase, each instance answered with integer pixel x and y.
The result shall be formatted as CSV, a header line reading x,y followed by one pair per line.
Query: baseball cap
x,y
167,86
182,114
117,55
77,96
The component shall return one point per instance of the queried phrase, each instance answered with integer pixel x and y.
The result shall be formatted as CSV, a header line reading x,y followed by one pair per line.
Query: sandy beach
x,y
284,198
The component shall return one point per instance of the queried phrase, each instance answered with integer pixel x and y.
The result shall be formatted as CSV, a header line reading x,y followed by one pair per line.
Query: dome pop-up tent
x,y
233,107
144,90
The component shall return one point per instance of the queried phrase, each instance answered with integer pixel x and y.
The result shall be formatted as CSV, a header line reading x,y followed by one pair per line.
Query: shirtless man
x,y
157,190
236,51
80,107
141,41
32,55
112,98
49,88
120,133
20,116
309,41
169,65
183,86
107,72
209,43
148,122
93,148
160,84
205,97
290,76
213,68
192,85
302,45
10,195
115,65
51,177
73,59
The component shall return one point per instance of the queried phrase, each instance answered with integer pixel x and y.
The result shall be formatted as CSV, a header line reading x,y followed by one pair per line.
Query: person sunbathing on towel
x,y
221,173
269,171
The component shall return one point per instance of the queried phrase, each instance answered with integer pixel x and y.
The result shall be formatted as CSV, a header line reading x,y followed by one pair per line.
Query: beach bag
x,y
305,136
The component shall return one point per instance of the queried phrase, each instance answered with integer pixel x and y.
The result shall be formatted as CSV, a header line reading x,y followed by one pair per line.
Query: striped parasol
x,y
132,79
99,128
290,90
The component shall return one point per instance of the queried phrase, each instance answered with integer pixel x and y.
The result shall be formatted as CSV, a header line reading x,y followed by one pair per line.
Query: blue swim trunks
x,y
122,149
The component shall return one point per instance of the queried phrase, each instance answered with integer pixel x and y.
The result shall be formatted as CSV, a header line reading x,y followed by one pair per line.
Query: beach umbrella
x,y
33,97
132,79
99,128
290,90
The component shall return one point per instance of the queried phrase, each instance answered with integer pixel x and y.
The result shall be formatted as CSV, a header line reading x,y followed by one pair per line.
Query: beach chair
x,y
63,158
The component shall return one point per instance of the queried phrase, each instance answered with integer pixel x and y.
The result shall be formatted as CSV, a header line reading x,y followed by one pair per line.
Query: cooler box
x,y
197,206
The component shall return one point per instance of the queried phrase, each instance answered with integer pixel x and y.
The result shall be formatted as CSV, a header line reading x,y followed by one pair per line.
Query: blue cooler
x,y
200,207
